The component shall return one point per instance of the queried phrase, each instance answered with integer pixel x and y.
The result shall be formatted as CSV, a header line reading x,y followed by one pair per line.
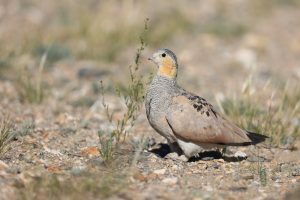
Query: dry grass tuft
x,y
272,113
30,88
6,134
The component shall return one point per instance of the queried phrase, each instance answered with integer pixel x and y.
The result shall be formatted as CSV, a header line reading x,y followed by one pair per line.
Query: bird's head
x,y
166,62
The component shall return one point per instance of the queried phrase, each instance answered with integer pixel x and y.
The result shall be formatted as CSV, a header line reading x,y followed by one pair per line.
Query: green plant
x,y
262,175
133,96
6,134
26,128
262,171
106,146
55,52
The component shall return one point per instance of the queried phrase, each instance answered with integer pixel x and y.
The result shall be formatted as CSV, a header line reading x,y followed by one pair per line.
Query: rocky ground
x,y
245,52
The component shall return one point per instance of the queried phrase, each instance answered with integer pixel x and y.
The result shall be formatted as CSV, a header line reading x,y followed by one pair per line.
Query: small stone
x,y
255,183
238,189
255,159
96,161
296,172
247,176
220,160
275,178
208,188
139,176
170,181
183,158
90,151
174,156
276,185
175,167
77,170
53,168
159,171
216,165
28,158
151,176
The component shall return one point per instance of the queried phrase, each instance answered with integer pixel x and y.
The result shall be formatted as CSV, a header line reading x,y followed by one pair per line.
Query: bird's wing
x,y
193,119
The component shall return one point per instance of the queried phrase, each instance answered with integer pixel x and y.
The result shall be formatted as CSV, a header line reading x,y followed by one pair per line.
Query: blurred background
x,y
212,39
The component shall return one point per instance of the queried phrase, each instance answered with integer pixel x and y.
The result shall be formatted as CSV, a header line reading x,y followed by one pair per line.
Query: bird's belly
x,y
190,149
158,122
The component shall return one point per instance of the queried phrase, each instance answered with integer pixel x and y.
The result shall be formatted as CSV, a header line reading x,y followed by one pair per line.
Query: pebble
x,y
296,172
170,181
160,171
208,188
255,183
139,176
174,167
276,185
216,165
247,176
151,176
238,189
174,156
28,158
255,159
90,151
77,170
96,161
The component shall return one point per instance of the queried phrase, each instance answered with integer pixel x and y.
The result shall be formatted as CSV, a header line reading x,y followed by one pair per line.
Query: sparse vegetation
x,y
25,128
133,96
6,134
89,186
273,118
30,88
54,52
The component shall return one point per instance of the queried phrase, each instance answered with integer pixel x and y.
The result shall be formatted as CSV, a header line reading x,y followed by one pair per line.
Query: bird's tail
x,y
256,138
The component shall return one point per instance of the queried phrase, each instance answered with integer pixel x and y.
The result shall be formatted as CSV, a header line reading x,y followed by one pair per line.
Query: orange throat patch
x,y
168,69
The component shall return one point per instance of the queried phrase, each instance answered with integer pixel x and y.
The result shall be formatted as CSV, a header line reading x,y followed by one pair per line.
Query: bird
x,y
189,123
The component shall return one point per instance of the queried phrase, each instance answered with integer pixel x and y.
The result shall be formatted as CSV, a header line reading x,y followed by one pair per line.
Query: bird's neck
x,y
161,80
168,70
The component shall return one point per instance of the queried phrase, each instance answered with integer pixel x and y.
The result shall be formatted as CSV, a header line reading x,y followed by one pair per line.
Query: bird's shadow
x,y
164,149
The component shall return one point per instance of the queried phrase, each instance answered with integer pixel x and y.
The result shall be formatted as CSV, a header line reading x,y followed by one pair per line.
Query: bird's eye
x,y
163,55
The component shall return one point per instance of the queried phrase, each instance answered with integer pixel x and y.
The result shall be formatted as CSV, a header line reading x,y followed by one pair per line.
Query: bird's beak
x,y
151,58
